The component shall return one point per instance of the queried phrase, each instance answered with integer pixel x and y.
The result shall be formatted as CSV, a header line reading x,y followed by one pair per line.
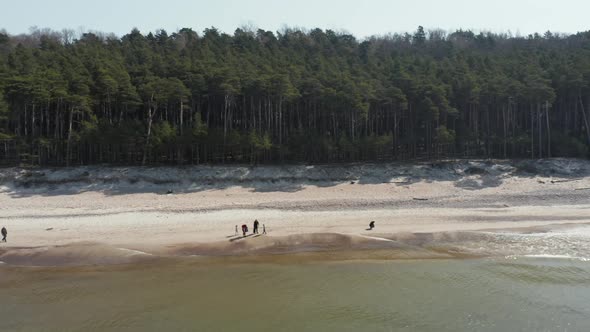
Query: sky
x,y
362,18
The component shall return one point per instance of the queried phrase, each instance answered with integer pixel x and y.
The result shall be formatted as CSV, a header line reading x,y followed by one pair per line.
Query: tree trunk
x,y
149,132
56,130
225,107
504,127
26,122
548,130
69,144
181,116
33,121
539,124
532,133
585,118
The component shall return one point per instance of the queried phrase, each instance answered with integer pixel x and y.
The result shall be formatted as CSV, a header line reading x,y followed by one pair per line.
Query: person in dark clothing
x,y
263,229
255,231
244,230
371,225
4,234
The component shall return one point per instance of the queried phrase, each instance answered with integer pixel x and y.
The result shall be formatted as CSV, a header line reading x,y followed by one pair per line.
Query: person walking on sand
x,y
371,225
255,230
236,234
263,229
244,230
4,234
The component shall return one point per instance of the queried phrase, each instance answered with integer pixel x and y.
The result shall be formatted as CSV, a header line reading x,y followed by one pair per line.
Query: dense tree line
x,y
292,96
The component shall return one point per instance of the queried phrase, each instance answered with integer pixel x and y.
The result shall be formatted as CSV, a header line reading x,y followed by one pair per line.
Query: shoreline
x,y
405,201
302,247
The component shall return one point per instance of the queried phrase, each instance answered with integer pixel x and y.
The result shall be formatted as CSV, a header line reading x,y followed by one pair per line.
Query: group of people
x,y
244,229
254,230
256,224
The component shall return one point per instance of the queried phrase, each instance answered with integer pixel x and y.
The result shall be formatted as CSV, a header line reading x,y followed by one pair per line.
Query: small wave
x,y
376,238
583,259
135,252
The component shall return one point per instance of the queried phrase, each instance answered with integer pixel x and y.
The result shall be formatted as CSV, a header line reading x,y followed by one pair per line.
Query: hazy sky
x,y
361,17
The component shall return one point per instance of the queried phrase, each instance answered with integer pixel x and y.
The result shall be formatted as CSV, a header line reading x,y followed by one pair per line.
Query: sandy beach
x,y
163,217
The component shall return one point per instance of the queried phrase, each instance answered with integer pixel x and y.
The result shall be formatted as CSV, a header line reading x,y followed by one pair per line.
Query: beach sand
x,y
295,213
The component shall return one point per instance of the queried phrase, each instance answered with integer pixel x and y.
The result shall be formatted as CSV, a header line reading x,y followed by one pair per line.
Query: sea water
x,y
526,282
489,294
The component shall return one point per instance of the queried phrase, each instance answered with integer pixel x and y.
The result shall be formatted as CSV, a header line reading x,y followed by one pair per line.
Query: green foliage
x,y
265,143
345,146
420,36
199,128
295,96
164,133
567,146
89,131
4,112
444,135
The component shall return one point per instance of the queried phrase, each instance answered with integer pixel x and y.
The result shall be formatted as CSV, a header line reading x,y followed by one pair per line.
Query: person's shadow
x,y
240,237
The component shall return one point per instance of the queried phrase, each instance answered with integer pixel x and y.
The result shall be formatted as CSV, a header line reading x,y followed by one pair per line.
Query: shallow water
x,y
295,294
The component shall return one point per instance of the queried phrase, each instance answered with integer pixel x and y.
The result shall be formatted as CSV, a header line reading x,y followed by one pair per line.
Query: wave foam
x,y
135,252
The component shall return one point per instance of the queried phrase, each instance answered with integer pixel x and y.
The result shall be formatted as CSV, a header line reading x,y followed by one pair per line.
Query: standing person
x,y
255,231
236,230
4,234
263,229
